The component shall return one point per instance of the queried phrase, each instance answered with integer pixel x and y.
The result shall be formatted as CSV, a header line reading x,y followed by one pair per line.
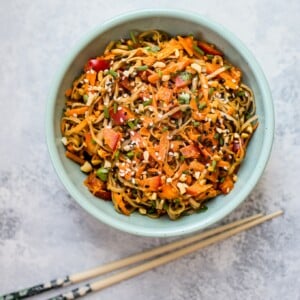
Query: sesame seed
x,y
182,187
126,73
64,140
182,177
146,155
197,174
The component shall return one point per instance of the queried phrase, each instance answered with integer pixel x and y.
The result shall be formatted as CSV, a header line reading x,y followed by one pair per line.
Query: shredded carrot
x,y
168,191
77,128
197,188
190,151
164,146
204,86
90,144
91,77
118,198
229,81
227,185
187,44
68,92
209,48
76,111
75,157
164,94
151,183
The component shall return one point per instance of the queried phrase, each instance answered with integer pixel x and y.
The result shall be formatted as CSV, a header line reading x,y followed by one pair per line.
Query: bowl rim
x,y
265,94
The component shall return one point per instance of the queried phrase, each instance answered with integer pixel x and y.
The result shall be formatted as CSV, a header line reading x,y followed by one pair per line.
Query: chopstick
x,y
207,238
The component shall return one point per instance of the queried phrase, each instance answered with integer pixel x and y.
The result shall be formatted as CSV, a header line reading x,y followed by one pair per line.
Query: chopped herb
x,y
186,172
85,98
241,94
132,36
166,128
152,49
198,50
216,136
210,56
181,158
136,122
94,142
142,68
227,67
210,91
117,154
221,141
196,123
184,98
160,74
202,209
152,209
113,73
247,116
115,107
130,154
177,201
131,124
201,105
148,102
214,164
102,173
165,206
106,113
185,76
222,179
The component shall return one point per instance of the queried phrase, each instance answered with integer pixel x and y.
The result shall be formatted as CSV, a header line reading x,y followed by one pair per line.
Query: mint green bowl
x,y
173,22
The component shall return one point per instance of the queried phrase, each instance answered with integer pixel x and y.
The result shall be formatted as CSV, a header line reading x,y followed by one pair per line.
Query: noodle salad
x,y
159,124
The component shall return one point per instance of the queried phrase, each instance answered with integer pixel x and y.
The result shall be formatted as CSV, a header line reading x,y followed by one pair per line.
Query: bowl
x,y
173,22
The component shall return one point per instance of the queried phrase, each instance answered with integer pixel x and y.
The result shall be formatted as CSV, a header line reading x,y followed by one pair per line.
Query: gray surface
x,y
45,234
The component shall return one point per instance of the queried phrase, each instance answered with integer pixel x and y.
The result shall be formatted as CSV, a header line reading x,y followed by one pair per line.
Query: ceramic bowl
x,y
174,22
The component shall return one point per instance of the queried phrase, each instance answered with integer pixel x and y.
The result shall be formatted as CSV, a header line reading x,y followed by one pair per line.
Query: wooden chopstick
x,y
104,283
78,277
109,267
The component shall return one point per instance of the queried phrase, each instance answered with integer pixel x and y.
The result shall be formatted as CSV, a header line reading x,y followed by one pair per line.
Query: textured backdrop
x,y
45,234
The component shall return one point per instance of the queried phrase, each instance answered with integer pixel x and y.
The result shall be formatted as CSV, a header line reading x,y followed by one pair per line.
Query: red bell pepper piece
x,y
97,64
152,183
183,79
121,115
111,138
190,151
209,48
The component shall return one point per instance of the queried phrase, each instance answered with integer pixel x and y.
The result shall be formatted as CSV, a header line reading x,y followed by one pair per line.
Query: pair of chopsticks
x,y
165,253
